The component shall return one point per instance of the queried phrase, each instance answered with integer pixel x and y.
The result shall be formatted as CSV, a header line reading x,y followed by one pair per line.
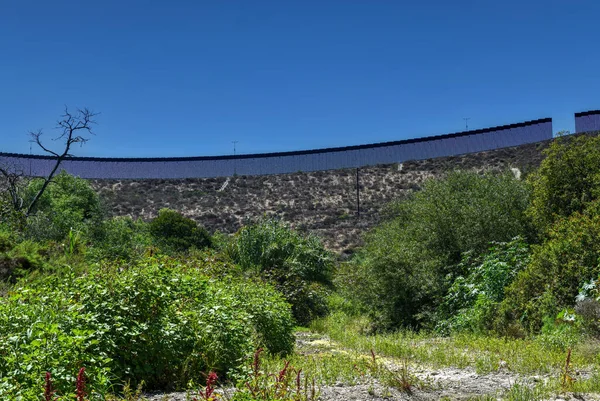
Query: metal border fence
x,y
289,162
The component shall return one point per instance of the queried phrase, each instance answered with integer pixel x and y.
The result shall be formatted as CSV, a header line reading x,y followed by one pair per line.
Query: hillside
x,y
322,202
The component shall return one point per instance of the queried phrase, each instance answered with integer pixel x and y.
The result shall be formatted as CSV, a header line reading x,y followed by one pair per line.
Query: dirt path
x,y
426,383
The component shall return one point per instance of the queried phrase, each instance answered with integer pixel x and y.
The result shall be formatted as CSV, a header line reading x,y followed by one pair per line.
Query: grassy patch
x,y
483,353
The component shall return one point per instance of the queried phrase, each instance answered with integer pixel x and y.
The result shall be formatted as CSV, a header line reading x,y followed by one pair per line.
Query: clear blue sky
x,y
183,78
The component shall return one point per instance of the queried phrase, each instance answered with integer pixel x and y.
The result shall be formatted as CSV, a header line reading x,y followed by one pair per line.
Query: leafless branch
x,y
74,128
12,183
36,138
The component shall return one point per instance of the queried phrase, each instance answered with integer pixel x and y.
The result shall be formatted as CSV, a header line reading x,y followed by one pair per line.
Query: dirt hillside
x,y
323,202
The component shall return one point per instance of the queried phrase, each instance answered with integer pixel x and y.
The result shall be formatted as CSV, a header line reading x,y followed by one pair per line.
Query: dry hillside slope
x,y
322,202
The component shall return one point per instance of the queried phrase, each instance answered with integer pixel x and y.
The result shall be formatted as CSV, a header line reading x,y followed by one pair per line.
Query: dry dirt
x,y
322,202
429,383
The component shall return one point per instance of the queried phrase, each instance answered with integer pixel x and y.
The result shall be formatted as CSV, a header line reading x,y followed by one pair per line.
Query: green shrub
x,y
174,232
119,238
297,264
568,258
26,257
385,281
567,180
587,307
472,299
409,260
67,203
8,239
561,332
272,321
157,321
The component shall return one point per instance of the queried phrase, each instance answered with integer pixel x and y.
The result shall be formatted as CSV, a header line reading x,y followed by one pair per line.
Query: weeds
x,y
567,379
401,379
208,394
288,384
48,390
72,242
131,395
80,385
485,353
80,391
523,392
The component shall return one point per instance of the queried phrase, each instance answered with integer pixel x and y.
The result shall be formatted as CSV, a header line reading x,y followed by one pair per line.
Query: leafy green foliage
x,y
157,321
567,180
174,232
297,264
562,332
68,203
26,258
568,258
472,299
408,261
272,321
119,238
465,212
587,307
287,384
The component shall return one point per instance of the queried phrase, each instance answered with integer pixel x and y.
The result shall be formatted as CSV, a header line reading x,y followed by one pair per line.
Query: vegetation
x,y
67,204
154,322
296,264
567,181
472,301
475,270
410,260
174,232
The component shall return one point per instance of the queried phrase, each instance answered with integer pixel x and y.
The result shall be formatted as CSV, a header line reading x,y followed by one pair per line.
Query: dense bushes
x,y
567,180
174,232
156,322
558,268
119,238
68,203
429,265
472,300
408,261
297,264
566,210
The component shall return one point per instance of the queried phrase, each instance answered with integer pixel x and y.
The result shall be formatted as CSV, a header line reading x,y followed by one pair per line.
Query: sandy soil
x,y
429,383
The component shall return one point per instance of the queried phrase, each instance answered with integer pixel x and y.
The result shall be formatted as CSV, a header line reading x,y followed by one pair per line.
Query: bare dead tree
x,y
75,128
12,181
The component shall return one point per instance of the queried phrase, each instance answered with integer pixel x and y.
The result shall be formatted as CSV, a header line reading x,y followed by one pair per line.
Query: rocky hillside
x,y
323,202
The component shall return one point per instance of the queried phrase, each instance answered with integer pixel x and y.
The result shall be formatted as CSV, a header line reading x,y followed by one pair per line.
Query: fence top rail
x,y
587,113
289,153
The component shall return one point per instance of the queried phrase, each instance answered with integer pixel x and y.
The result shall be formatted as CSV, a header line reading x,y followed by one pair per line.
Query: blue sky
x,y
184,78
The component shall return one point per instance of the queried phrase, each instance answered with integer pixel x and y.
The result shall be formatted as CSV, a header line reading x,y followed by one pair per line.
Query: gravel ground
x,y
430,384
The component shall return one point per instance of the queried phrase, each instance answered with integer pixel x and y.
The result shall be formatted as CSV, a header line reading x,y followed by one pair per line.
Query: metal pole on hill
x,y
466,122
357,194
234,159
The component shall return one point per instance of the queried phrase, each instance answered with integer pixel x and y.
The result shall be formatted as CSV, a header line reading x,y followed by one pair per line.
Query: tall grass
x,y
483,353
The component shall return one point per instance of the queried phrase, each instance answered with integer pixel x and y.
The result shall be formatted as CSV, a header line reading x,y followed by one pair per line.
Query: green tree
x,y
298,265
569,257
120,237
567,180
472,300
74,127
409,260
174,232
68,203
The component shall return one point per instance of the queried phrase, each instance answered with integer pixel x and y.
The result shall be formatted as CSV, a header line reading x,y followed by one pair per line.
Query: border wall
x,y
587,121
289,162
